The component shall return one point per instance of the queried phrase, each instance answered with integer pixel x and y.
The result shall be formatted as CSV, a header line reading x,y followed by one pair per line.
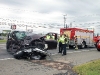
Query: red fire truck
x,y
84,37
96,39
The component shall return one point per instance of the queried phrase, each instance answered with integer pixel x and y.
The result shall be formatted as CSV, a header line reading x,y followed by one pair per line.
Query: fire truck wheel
x,y
98,49
83,45
71,47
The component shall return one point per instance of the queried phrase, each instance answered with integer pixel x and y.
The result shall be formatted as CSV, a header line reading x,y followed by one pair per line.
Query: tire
x,y
83,45
43,57
71,47
8,46
98,49
12,48
95,45
18,55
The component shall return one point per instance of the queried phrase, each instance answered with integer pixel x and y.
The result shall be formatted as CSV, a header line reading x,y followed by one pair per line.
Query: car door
x,y
52,44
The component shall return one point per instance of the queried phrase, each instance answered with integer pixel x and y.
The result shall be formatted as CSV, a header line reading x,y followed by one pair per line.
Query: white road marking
x,y
70,52
54,53
6,58
2,48
85,50
2,44
77,51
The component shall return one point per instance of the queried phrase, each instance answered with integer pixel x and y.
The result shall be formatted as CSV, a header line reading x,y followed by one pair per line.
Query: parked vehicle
x,y
1,38
84,37
32,46
53,34
96,39
98,45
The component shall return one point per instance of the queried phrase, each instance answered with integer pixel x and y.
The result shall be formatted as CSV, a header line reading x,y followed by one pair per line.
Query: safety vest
x,y
62,40
47,37
53,37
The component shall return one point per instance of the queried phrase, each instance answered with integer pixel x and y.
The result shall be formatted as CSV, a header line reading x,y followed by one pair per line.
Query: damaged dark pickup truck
x,y
29,45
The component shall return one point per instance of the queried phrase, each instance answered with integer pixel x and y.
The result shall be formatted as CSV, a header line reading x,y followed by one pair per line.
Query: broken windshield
x,y
20,35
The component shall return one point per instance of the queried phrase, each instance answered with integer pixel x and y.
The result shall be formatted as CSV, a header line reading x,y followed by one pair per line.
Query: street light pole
x,y
64,20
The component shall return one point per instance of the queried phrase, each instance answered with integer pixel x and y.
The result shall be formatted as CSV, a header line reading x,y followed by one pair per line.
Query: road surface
x,y
11,66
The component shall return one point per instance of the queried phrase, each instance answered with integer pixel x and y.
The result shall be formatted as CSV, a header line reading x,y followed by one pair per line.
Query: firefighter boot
x,y
76,48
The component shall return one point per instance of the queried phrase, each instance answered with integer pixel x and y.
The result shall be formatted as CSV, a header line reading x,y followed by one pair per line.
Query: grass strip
x,y
90,68
2,41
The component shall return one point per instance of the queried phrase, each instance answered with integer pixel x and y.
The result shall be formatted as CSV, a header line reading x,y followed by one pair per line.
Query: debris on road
x,y
57,65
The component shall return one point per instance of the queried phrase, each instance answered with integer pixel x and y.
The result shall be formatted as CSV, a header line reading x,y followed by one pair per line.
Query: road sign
x,y
13,26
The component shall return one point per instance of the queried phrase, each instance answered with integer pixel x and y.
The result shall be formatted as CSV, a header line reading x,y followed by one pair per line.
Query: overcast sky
x,y
81,13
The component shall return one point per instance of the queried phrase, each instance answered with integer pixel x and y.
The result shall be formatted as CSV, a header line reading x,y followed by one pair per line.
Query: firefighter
x,y
47,36
76,47
68,39
60,44
52,37
64,41
65,44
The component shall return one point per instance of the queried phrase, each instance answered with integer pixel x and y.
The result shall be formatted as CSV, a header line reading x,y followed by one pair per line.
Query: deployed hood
x,y
31,37
35,36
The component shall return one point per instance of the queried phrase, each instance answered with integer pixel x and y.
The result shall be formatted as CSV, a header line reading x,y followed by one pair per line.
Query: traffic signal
x,y
13,26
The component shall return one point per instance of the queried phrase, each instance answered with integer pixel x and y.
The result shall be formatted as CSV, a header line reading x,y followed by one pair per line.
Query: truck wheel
x,y
98,49
71,47
83,45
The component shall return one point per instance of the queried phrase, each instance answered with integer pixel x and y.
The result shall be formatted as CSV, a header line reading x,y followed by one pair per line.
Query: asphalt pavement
x,y
56,64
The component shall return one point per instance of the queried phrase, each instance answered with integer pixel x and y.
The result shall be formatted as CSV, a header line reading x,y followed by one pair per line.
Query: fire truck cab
x,y
84,37
96,39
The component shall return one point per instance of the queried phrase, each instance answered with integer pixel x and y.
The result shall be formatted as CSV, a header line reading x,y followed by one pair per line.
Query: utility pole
x,y
64,20
26,27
